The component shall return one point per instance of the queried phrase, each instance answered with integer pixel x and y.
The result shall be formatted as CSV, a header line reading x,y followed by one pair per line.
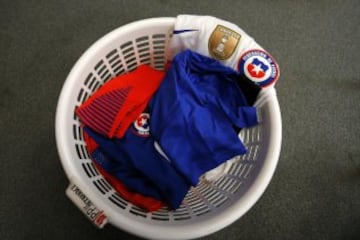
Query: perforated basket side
x,y
208,207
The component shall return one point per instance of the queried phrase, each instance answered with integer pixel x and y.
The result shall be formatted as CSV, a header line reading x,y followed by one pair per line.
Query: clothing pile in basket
x,y
154,134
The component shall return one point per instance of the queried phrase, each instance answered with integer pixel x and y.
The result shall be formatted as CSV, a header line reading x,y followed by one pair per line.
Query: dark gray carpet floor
x,y
315,192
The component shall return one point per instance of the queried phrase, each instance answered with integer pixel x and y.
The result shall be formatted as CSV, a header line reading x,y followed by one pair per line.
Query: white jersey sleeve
x,y
225,42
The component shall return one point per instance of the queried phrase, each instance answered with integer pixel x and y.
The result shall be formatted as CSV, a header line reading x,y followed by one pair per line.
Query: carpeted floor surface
x,y
315,192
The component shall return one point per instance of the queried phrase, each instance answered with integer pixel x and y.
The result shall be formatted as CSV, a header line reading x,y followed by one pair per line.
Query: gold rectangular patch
x,y
223,42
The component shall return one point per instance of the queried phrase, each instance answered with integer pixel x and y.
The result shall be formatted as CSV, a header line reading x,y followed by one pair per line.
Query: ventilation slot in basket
x,y
106,184
118,201
89,170
80,95
199,208
114,60
91,82
197,202
143,48
256,134
241,171
101,186
181,214
104,73
81,151
83,95
75,117
160,216
214,197
128,52
159,41
252,153
77,133
138,211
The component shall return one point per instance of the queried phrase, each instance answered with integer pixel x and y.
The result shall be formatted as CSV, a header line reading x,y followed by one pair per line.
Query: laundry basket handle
x,y
82,200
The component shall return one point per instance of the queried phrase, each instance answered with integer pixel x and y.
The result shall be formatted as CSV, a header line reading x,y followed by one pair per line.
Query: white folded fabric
x,y
225,42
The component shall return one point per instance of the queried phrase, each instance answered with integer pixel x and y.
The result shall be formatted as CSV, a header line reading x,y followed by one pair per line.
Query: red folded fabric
x,y
111,109
144,202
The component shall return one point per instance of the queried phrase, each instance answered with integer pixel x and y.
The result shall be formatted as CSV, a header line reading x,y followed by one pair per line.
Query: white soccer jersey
x,y
225,42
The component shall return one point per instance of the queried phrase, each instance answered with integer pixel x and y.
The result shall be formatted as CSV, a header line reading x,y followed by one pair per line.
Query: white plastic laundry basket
x,y
208,207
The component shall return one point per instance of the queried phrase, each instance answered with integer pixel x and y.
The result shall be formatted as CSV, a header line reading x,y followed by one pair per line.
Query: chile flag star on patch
x,y
141,125
259,66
